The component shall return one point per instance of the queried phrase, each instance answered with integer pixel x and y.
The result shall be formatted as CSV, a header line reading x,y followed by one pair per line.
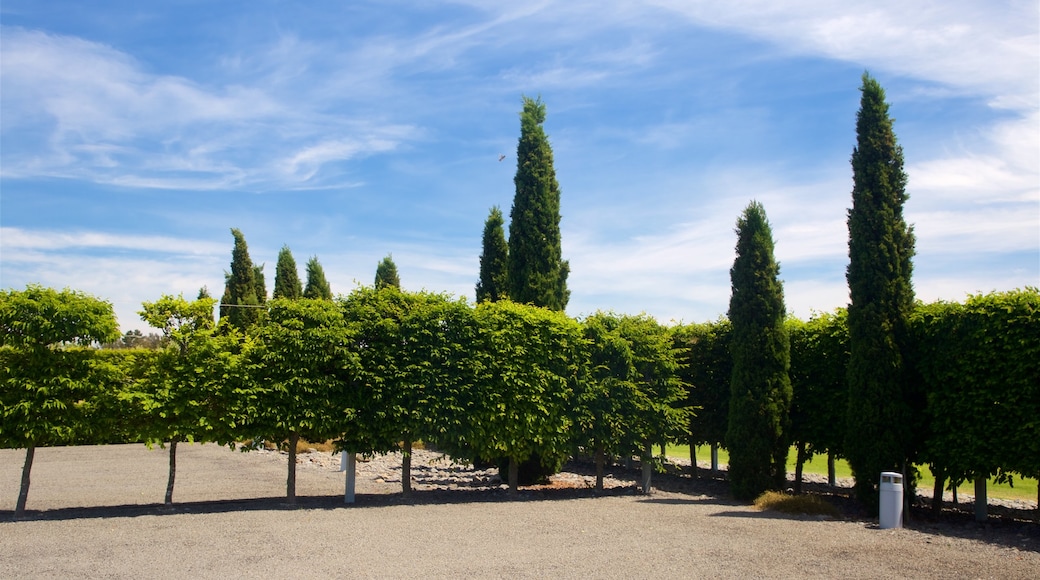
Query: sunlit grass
x,y
795,504
1024,488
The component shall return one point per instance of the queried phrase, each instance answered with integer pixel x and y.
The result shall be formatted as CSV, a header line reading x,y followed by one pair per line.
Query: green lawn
x,y
1024,489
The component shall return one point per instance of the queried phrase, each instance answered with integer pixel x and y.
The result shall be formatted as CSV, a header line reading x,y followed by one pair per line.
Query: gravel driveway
x,y
93,513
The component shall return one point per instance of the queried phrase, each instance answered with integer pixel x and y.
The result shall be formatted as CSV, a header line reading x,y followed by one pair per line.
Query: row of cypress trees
x,y
882,401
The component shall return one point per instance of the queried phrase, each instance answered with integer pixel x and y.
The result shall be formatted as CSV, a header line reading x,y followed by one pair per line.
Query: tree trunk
x,y
514,476
406,468
599,467
981,503
955,500
937,493
693,460
715,459
909,494
664,451
648,462
290,482
798,468
173,471
832,479
23,492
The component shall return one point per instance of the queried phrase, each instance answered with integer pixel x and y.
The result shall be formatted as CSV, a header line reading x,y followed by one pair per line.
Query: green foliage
x,y
530,360
819,362
317,286
980,362
537,273
633,395
760,395
190,390
48,386
706,366
494,273
242,291
881,427
40,318
51,392
303,371
286,278
386,274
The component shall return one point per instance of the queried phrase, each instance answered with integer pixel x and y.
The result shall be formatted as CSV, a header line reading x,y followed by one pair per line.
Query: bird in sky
x,y
501,157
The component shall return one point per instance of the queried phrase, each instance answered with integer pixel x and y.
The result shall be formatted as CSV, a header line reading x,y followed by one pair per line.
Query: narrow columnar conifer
x,y
386,274
286,277
537,271
241,290
494,276
880,429
317,285
760,387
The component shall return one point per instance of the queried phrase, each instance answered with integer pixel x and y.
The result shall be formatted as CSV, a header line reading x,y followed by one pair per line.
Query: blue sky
x,y
136,134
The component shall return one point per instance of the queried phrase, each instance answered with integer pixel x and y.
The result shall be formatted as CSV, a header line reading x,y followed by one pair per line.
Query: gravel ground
x,y
94,512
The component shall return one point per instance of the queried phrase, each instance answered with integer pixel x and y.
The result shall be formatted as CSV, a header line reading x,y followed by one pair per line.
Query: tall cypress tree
x,y
286,277
760,386
537,271
881,248
386,274
317,285
494,277
240,302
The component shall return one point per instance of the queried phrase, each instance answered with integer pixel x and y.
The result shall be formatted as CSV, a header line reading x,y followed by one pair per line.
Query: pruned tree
x,y
880,433
302,367
707,368
188,391
494,258
47,389
819,368
633,397
530,359
760,387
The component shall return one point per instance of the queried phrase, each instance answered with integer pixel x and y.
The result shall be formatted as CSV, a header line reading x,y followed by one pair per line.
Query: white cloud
x,y
84,110
988,48
48,241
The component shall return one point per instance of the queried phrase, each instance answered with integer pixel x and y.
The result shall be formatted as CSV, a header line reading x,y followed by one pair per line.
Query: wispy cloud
x,y
84,110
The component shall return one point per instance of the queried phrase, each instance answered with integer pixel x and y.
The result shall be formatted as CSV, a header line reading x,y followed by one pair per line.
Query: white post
x,y
347,463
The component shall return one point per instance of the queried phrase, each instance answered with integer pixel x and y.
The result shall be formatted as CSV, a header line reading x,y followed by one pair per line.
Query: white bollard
x,y
890,513
348,462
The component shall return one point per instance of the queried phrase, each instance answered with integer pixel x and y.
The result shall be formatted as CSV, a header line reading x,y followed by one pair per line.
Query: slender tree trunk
x,y
514,476
173,470
290,482
715,459
648,462
599,467
981,502
955,500
406,468
693,460
664,451
937,493
799,466
23,491
832,479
